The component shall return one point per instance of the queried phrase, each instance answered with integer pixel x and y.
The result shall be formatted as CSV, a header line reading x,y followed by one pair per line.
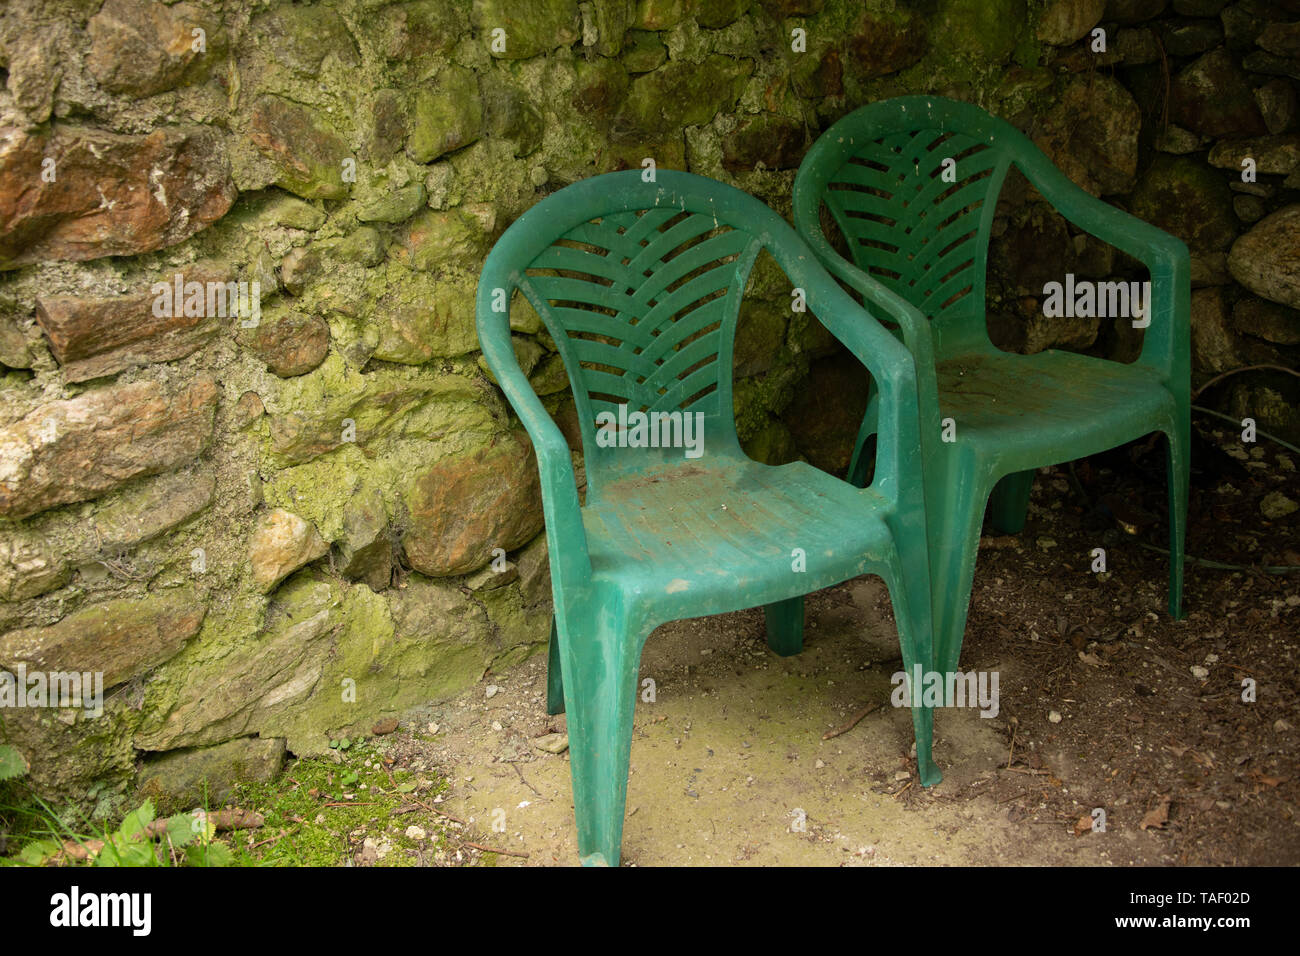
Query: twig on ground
x,y
851,722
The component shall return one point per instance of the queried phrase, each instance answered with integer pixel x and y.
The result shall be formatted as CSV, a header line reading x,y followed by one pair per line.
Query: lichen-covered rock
x,y
308,154
464,506
1214,346
1277,104
365,247
140,48
366,549
300,37
437,240
1092,135
1066,21
77,193
121,639
1134,11
146,510
412,34
778,142
1188,199
1190,37
398,206
1281,38
29,566
760,332
1266,320
644,52
986,29
281,544
92,337
292,345
696,94
446,114
207,777
530,28
657,14
80,448
1211,96
426,317
1266,260
1273,155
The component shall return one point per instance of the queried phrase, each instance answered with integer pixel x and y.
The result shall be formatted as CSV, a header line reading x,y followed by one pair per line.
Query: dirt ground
x,y
1105,702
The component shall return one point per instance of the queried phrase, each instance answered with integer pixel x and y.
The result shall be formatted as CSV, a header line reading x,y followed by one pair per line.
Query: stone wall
x,y
270,528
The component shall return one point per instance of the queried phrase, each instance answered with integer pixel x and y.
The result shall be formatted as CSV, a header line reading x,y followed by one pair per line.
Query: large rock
x,y
447,113
1134,11
1266,320
1273,155
827,411
1066,21
438,240
698,92
1188,199
300,37
208,776
330,412
93,337
1266,260
142,514
879,44
412,34
122,639
778,142
307,152
140,48
292,345
1092,135
1214,346
530,28
107,194
424,318
366,550
282,543
464,506
1211,96
29,566
78,449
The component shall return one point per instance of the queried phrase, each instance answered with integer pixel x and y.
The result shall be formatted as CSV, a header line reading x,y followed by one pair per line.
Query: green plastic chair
x,y
919,243
639,284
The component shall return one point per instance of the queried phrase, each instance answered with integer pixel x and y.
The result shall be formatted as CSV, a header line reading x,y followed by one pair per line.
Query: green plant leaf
x,y
12,763
182,829
133,823
38,851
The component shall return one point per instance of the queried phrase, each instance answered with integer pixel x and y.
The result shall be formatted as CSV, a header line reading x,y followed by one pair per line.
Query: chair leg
x,y
1178,440
554,675
1009,503
911,612
599,660
785,626
955,536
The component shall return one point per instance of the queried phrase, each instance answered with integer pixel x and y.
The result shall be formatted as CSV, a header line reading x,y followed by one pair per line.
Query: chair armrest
x,y
1165,345
565,535
898,443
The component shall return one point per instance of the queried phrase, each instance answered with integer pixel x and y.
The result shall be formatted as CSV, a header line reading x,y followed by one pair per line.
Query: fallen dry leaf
x,y
1083,825
1157,818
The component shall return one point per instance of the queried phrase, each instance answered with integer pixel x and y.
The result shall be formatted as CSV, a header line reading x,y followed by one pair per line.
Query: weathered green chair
x,y
917,228
639,284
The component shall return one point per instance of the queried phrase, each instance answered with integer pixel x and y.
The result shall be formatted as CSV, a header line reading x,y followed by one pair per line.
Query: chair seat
x,y
1072,404
718,534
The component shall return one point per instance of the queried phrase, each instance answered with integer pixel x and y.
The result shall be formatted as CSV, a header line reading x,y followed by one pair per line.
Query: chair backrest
x,y
639,284
912,184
